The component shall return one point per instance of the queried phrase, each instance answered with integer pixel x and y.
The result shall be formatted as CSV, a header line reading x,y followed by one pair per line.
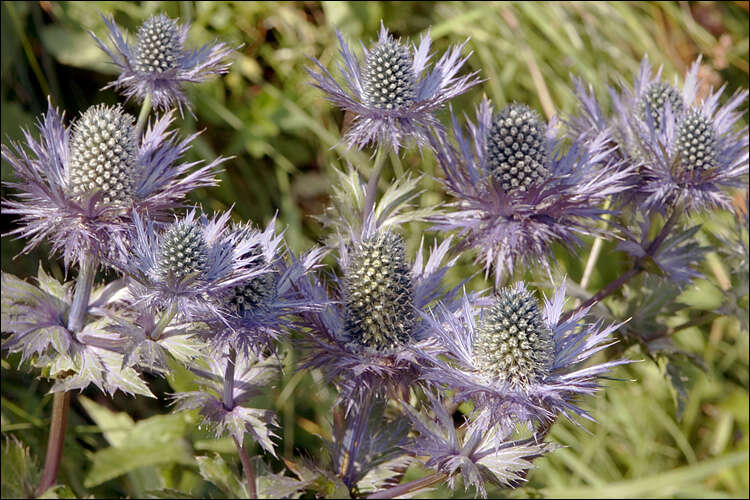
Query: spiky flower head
x,y
103,153
255,292
512,343
514,359
516,148
379,294
391,94
654,101
158,45
514,196
157,64
388,77
685,147
191,266
183,251
78,186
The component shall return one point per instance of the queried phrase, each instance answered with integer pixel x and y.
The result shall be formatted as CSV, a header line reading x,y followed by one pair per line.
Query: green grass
x,y
284,138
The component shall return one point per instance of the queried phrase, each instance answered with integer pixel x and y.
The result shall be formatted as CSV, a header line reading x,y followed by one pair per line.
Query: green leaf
x,y
167,493
218,472
58,491
20,473
75,48
116,426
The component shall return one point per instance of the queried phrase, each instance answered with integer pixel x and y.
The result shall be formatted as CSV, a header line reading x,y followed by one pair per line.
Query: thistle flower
x,y
517,360
251,376
366,336
262,308
189,268
515,194
390,93
79,186
157,65
479,454
686,149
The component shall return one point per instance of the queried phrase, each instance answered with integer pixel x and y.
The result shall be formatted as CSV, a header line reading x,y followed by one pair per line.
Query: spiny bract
x,y
158,47
388,77
183,251
512,342
254,292
516,153
379,294
655,99
695,143
102,153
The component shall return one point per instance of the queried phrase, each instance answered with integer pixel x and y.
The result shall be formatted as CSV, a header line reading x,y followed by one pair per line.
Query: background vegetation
x,y
283,135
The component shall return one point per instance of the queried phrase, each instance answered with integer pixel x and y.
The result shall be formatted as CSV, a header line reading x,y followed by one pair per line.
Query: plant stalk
x,y
229,381
143,115
60,405
372,183
417,484
247,468
84,283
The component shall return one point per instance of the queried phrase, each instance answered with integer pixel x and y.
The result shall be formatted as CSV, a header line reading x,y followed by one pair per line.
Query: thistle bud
x,y
655,100
379,294
512,343
516,153
695,143
388,77
158,45
183,251
102,153
254,292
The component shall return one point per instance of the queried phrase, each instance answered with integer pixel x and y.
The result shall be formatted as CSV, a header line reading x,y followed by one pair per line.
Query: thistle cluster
x,y
230,303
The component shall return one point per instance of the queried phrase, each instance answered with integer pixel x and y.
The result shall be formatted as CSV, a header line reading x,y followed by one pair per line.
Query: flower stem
x,y
596,250
417,484
143,115
84,282
372,183
247,468
229,381
60,405
633,271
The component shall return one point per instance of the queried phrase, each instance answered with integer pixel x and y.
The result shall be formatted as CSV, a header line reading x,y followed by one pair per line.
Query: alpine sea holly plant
x,y
459,380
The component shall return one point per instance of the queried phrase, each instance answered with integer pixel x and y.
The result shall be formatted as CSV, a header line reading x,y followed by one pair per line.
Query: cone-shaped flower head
x,y
695,143
79,185
388,78
379,293
391,93
157,64
516,152
513,343
103,153
158,45
655,99
183,251
256,291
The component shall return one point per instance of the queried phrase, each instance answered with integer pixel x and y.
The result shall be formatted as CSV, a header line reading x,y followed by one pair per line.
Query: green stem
x,y
143,115
417,484
60,405
164,321
27,48
596,250
229,381
247,467
372,184
85,281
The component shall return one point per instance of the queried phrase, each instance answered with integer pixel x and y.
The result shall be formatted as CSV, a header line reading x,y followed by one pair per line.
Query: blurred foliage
x,y
283,136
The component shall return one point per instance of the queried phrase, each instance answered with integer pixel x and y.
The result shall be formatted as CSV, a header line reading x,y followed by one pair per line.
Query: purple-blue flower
x,y
189,268
516,192
515,360
390,93
480,455
79,186
157,65
686,149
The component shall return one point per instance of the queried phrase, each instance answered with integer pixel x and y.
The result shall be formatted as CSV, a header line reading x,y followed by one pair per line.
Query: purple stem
x,y
60,405
417,484
372,183
247,467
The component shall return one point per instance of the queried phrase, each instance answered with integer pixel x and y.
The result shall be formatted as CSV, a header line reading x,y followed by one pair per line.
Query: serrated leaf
x,y
112,462
50,285
116,426
20,473
216,470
